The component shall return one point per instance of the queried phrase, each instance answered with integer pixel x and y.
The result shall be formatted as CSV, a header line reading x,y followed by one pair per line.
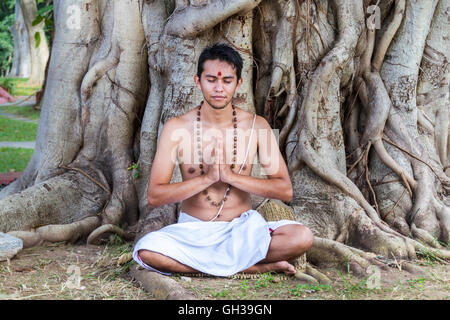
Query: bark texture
x,y
359,92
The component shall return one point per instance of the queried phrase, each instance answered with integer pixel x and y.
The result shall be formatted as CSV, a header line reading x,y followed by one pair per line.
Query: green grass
x,y
25,112
429,256
14,130
14,158
301,289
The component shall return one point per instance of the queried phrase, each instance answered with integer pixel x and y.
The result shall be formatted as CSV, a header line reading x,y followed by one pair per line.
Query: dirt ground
x,y
71,272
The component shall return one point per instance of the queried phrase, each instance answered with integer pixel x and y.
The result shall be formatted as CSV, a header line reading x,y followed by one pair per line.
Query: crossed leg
x,y
288,242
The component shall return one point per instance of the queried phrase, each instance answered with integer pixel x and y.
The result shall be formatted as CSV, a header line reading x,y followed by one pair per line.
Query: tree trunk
x,y
21,65
39,52
362,114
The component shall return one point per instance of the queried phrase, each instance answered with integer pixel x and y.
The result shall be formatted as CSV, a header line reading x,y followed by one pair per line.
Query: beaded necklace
x,y
199,152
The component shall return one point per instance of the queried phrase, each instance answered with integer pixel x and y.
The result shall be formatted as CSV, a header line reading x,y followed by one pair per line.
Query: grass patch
x,y
28,112
14,130
14,159
50,272
18,86
354,288
429,255
221,294
301,289
417,283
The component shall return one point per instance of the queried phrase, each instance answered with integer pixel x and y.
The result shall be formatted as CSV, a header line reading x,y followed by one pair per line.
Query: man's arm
x,y
278,184
160,190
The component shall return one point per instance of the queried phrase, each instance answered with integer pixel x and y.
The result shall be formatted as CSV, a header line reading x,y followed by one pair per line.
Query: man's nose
x,y
218,87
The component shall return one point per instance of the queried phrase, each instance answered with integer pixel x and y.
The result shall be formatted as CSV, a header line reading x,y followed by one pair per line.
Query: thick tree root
x,y
327,253
55,201
58,233
424,236
319,276
305,278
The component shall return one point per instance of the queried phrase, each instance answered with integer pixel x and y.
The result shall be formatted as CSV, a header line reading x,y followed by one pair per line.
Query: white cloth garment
x,y
219,248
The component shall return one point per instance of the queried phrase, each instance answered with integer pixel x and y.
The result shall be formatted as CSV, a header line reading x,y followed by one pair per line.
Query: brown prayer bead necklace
x,y
199,152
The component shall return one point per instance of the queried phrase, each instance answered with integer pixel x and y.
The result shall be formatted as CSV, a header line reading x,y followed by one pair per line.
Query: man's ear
x,y
238,84
197,82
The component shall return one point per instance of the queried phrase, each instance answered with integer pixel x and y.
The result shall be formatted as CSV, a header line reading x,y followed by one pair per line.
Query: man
x,y
218,232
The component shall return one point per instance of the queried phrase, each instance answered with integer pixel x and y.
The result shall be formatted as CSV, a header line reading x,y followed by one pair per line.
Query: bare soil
x,y
69,272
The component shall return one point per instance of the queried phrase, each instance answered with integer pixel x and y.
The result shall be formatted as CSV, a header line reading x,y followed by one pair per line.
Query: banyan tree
x,y
358,91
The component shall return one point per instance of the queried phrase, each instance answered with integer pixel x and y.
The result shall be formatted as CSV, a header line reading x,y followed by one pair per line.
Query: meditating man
x,y
218,232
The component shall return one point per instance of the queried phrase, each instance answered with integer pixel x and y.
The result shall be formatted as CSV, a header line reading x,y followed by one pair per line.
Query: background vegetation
x,y
7,19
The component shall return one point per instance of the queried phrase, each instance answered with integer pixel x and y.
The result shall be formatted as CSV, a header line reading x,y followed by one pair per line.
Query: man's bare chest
x,y
197,152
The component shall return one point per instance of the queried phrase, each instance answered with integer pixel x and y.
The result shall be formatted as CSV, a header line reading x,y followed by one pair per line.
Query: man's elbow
x,y
288,194
152,201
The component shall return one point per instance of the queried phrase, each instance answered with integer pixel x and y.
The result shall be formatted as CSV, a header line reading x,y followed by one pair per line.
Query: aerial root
x,y
58,232
319,276
413,269
305,278
326,251
408,181
388,35
105,231
424,236
329,251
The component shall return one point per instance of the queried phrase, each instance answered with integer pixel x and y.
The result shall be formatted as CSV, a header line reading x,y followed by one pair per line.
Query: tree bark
x,y
39,54
21,65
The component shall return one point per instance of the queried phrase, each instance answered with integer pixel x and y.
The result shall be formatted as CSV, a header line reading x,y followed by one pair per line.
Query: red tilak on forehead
x,y
219,74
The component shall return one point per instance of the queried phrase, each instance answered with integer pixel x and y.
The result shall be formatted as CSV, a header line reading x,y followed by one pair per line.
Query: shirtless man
x,y
207,170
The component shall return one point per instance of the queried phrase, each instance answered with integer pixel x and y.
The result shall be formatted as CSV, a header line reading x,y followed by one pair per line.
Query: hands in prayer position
x,y
218,170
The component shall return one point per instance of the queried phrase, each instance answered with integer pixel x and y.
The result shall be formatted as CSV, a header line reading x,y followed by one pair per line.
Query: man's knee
x,y
302,240
153,259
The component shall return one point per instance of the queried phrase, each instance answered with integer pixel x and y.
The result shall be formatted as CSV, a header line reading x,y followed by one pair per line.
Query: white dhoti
x,y
219,248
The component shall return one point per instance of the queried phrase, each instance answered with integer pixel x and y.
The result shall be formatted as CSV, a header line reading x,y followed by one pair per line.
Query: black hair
x,y
222,52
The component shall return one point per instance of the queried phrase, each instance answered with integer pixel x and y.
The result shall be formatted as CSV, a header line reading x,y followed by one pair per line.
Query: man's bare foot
x,y
283,266
279,266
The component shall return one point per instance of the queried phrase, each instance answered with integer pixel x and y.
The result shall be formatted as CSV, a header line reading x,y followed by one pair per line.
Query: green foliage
x,y
136,170
45,14
7,19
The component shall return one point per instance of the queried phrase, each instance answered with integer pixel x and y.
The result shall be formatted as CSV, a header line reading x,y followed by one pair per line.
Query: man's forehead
x,y
219,68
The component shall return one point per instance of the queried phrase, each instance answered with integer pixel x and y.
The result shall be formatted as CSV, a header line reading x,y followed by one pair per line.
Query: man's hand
x,y
225,171
218,170
212,166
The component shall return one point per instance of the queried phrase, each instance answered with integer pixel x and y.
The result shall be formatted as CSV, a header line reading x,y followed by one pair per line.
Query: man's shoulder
x,y
248,118
261,123
179,122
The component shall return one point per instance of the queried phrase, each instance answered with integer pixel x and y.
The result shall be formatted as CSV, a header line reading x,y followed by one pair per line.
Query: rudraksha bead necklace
x,y
199,153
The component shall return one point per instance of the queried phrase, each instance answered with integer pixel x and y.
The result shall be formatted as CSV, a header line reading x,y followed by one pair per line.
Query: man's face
x,y
218,83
